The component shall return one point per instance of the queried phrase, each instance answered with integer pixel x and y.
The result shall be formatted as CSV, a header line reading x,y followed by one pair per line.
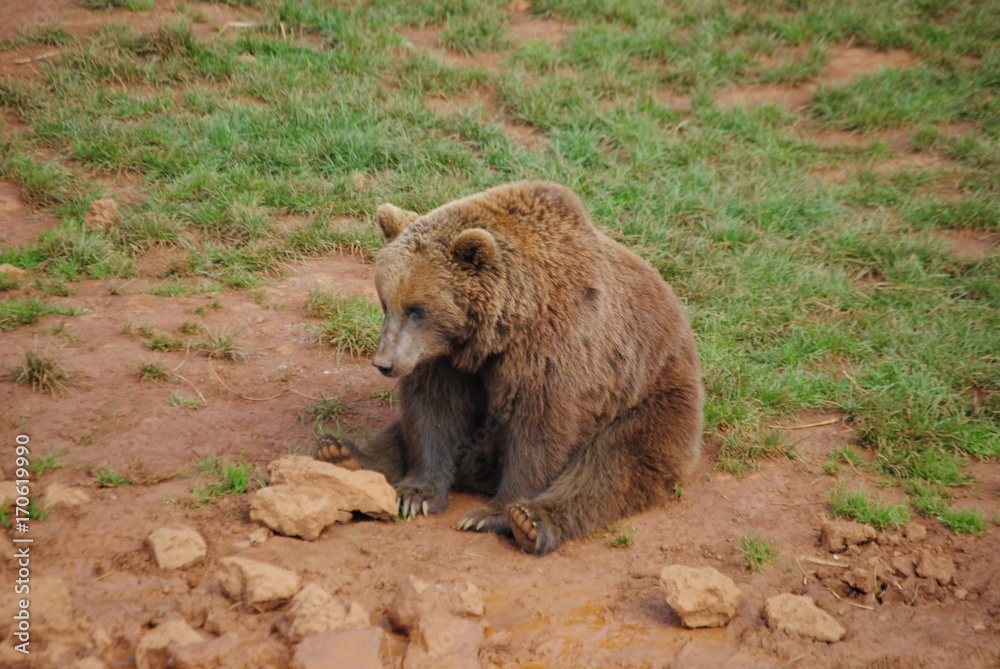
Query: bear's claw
x,y
484,519
415,499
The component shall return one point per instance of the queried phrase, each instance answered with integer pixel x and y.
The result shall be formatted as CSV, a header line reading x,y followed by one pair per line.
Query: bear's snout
x,y
385,368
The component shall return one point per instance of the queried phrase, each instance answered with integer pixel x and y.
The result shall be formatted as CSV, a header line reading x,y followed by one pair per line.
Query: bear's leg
x,y
441,410
628,467
385,452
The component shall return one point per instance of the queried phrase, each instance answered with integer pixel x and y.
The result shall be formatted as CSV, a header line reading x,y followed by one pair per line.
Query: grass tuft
x,y
44,373
862,507
757,552
350,324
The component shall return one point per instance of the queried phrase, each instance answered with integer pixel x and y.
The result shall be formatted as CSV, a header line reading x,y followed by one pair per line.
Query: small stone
x,y
365,491
861,580
961,594
904,566
8,493
11,270
890,538
102,215
444,642
258,536
151,653
313,611
800,615
838,535
176,547
295,513
939,567
701,597
418,599
58,495
979,627
916,531
357,649
255,582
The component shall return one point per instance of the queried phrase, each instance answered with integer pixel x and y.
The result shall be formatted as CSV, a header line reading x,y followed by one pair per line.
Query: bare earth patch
x,y
971,244
19,224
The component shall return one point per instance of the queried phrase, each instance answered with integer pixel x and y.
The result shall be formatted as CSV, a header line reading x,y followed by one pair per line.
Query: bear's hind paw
x,y
530,532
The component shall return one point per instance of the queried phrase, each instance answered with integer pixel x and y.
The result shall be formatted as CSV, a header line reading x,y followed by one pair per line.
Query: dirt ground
x,y
586,605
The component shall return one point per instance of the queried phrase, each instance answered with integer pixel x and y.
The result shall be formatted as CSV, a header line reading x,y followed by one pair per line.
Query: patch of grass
x,y
43,373
934,502
8,282
178,400
153,372
26,311
224,345
861,506
130,5
757,552
4,518
160,341
350,323
224,478
108,477
57,287
190,328
51,461
388,395
325,413
623,540
743,450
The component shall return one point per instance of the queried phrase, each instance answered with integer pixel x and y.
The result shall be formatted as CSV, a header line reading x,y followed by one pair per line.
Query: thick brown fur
x,y
539,361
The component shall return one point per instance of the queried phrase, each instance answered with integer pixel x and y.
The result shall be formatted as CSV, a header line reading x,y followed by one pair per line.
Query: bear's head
x,y
428,276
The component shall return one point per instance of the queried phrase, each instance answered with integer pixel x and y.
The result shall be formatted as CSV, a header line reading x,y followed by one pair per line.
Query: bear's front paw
x,y
485,519
416,498
531,532
333,449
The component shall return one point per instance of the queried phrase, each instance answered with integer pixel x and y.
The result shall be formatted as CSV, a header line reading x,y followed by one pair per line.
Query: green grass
x,y
45,373
153,372
109,477
224,345
622,540
757,552
865,508
222,478
350,323
806,293
51,461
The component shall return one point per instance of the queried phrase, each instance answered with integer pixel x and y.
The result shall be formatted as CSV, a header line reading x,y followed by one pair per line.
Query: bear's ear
x,y
393,220
475,247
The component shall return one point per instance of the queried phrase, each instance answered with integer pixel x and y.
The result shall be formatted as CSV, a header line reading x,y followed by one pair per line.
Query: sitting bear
x,y
539,362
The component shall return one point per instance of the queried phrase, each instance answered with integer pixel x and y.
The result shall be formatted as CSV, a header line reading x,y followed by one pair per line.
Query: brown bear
x,y
539,361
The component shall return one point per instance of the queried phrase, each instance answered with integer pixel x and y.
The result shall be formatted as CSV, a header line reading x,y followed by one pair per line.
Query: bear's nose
x,y
385,369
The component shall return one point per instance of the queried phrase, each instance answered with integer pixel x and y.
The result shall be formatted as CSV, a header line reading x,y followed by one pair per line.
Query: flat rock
x,y
313,611
444,642
838,535
255,582
342,649
418,599
176,547
296,512
102,214
151,653
939,567
228,651
365,491
701,597
58,495
800,615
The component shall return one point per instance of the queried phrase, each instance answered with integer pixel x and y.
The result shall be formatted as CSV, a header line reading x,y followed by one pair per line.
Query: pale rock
x,y
258,536
342,649
294,512
151,653
838,535
361,490
254,582
939,567
312,611
227,652
418,599
800,615
102,215
444,642
8,493
916,531
903,565
176,547
58,495
701,597
54,621
11,270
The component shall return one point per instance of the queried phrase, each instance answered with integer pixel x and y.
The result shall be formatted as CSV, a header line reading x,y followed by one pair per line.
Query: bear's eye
x,y
415,313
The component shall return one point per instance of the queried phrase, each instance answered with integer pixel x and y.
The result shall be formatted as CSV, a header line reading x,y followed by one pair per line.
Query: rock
x,y
176,547
11,270
59,495
227,652
444,642
362,490
701,597
418,599
903,566
343,649
192,606
313,611
295,513
254,582
258,536
102,215
838,535
961,594
151,653
939,567
862,580
800,615
8,493
916,531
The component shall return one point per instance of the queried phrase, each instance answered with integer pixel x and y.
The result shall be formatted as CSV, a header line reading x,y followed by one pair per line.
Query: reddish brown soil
x,y
586,605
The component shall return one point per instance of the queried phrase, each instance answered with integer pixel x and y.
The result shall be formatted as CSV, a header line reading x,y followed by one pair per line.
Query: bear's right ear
x,y
394,220
475,247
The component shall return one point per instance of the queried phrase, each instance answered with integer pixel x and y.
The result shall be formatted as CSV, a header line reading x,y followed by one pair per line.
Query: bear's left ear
x,y
394,220
475,247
